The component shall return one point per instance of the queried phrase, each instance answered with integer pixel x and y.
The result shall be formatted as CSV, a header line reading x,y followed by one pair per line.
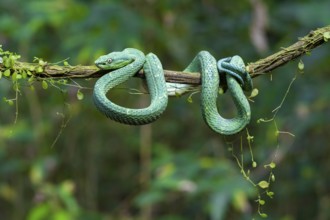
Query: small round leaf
x,y
263,184
39,69
326,36
262,202
270,194
273,177
254,93
301,65
44,84
272,165
263,215
80,95
7,73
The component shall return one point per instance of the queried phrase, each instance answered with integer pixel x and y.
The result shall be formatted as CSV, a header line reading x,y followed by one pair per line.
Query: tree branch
x,y
303,46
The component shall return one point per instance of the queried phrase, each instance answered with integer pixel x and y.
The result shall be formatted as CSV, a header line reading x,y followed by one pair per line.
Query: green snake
x,y
125,64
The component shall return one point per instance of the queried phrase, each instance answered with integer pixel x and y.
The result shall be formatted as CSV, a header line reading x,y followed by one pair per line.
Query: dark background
x,y
62,159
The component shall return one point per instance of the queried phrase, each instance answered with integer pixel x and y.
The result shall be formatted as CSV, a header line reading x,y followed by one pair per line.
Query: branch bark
x,y
303,46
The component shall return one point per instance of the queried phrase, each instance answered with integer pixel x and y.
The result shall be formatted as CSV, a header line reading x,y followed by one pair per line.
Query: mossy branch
x,y
303,46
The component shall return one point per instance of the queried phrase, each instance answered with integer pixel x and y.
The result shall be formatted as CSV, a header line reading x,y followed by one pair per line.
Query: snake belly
x,y
206,64
155,81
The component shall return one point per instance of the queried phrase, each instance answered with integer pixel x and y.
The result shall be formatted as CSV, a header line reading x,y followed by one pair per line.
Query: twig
x,y
301,47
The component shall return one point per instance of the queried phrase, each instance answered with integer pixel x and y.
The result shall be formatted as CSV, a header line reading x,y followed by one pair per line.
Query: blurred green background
x,y
62,159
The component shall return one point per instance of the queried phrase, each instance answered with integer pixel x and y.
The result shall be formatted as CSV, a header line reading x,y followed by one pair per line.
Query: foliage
x,y
59,157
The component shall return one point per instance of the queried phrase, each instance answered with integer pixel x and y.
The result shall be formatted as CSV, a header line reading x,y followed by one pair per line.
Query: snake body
x,y
126,63
206,64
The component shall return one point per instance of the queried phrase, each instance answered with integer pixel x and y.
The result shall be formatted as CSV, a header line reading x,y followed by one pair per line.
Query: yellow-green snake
x,y
127,63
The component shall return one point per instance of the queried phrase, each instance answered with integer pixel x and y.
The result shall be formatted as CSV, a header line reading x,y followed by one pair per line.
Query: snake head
x,y
114,60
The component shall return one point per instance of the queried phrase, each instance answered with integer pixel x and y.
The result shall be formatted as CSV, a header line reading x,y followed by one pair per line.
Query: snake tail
x,y
205,63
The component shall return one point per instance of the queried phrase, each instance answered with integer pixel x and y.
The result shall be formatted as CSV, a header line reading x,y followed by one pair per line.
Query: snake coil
x,y
125,64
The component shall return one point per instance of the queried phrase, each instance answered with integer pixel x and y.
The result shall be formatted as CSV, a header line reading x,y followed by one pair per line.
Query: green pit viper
x,y
127,63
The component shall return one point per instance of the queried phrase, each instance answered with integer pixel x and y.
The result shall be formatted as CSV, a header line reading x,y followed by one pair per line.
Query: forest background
x,y
62,159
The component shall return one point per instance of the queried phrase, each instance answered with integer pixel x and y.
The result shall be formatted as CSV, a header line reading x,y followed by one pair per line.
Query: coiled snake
x,y
127,63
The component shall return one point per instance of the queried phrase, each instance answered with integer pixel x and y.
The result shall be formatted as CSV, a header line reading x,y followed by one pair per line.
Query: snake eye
x,y
109,60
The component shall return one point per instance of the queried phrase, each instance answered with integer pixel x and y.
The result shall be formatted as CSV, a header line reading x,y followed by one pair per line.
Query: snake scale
x,y
127,63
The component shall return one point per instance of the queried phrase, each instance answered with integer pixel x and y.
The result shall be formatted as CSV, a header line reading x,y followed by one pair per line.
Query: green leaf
x,y
254,93
301,65
263,184
7,61
31,79
42,63
326,36
16,87
262,202
7,73
24,74
250,138
8,101
263,215
273,177
272,165
44,84
39,69
40,211
11,60
14,76
80,95
270,194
